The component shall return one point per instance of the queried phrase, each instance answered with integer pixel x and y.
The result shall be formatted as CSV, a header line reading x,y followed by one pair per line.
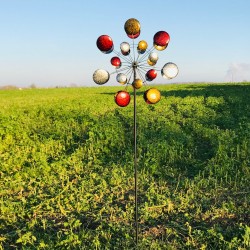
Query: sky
x,y
53,42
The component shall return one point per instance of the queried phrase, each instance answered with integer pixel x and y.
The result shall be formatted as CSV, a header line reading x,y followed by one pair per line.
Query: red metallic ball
x,y
135,35
116,62
161,39
151,75
122,98
105,44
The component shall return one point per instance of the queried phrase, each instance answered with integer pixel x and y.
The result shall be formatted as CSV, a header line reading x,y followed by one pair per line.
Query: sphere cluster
x,y
141,67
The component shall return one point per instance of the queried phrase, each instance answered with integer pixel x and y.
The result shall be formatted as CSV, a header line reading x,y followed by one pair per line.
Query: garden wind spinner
x,y
135,65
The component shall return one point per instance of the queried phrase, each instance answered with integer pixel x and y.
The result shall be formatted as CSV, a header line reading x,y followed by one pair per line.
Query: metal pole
x,y
135,161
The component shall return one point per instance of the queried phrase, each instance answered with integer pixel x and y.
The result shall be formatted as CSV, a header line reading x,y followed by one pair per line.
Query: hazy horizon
x,y
54,43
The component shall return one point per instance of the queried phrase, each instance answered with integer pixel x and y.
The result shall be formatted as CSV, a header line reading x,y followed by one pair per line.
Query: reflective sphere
x,y
132,28
151,63
169,70
122,98
105,44
161,40
121,78
153,57
116,62
125,48
137,83
151,75
152,96
134,36
142,46
100,76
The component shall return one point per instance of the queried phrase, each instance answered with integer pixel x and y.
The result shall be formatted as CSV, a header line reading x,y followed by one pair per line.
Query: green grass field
x,y
67,177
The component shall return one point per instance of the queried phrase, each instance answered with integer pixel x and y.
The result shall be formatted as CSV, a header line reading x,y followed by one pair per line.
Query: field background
x,y
66,168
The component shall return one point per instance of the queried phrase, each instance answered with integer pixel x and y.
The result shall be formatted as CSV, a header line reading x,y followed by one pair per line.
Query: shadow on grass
x,y
215,90
186,144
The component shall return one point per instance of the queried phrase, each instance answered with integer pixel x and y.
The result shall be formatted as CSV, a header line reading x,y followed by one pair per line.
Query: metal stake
x,y
135,160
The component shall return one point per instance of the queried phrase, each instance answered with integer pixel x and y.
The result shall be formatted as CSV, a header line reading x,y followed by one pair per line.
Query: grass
x,y
66,169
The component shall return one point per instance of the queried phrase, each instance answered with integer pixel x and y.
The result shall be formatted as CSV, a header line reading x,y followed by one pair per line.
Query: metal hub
x,y
134,64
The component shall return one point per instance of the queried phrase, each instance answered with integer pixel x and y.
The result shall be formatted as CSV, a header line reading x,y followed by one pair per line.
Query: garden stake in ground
x,y
135,65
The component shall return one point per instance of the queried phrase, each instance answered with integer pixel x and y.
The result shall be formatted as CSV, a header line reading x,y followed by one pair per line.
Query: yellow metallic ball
x,y
160,48
151,63
142,46
153,95
137,83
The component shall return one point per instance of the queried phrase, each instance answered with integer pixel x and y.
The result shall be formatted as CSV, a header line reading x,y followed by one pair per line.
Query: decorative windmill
x,y
135,65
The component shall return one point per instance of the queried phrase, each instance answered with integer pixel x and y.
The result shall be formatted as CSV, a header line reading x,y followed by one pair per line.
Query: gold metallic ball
x,y
160,48
132,26
151,63
137,83
142,45
153,95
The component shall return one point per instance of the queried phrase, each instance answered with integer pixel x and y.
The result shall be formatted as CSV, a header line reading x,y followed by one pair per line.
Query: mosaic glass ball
x,y
132,28
100,76
169,70
105,44
122,98
161,40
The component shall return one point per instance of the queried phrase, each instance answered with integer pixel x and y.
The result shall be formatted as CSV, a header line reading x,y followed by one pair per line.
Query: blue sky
x,y
53,42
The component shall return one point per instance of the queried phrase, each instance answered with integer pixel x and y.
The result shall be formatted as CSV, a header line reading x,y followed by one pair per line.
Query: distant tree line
x,y
33,86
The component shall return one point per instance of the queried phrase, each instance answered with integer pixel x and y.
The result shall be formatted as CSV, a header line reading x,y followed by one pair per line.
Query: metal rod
x,y
135,161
